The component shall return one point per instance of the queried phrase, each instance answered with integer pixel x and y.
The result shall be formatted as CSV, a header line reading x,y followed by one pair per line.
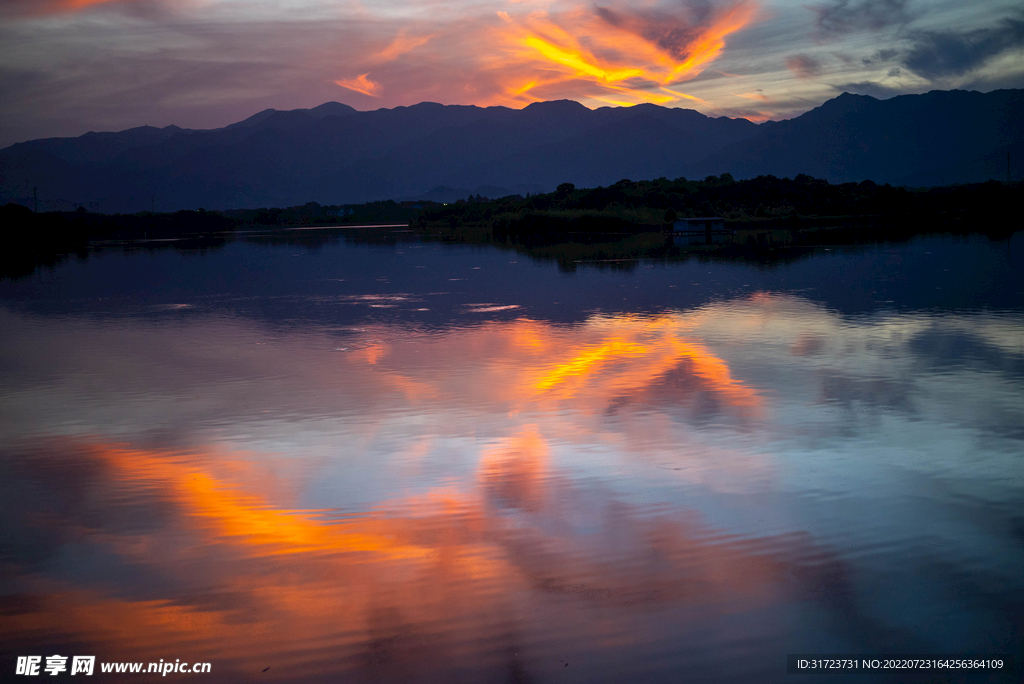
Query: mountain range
x,y
333,154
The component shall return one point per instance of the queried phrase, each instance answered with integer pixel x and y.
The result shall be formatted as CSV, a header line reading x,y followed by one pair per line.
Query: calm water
x,y
416,462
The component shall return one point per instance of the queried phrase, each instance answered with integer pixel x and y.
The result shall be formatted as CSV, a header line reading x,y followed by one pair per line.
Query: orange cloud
x,y
362,84
399,46
614,56
753,96
684,95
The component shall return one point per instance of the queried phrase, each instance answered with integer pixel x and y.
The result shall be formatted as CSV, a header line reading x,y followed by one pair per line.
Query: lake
x,y
362,456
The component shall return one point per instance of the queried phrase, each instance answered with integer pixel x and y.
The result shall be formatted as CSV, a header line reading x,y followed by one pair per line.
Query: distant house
x,y
702,230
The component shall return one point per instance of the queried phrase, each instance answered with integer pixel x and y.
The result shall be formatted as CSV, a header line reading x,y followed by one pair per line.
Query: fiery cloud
x,y
361,84
612,55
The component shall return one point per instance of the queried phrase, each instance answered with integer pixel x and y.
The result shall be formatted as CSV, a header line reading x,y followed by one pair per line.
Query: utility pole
x,y
35,200
1007,167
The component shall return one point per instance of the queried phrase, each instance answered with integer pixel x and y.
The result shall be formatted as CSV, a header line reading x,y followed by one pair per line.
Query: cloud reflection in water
x,y
487,501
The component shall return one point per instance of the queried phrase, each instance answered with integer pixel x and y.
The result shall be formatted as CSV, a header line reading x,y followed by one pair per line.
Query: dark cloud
x,y
670,34
880,56
673,32
843,16
803,66
936,54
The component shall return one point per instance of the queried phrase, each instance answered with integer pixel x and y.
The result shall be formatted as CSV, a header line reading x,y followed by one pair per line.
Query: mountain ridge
x,y
334,154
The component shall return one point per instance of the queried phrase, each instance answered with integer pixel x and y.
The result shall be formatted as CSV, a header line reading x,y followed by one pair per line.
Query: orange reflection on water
x,y
619,356
715,371
243,516
524,364
583,364
515,471
258,582
434,574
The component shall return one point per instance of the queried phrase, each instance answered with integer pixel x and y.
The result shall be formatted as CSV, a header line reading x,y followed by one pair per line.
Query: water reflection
x,y
194,562
515,500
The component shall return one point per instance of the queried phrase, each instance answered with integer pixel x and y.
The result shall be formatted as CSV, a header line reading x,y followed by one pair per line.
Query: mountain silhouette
x,y
938,138
333,154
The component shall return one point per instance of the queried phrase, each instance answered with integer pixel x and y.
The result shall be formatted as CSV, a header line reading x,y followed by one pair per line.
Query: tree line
x,y
650,203
623,207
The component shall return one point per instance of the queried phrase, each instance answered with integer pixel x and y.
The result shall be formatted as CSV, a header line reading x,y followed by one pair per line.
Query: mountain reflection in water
x,y
685,495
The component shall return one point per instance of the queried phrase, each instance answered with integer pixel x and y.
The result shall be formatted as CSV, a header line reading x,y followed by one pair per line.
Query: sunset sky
x,y
72,66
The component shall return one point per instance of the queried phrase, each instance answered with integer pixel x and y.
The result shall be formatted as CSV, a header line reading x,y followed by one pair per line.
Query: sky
x,y
68,67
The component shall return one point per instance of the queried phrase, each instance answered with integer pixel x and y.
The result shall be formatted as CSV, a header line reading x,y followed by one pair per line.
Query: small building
x,y
701,230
